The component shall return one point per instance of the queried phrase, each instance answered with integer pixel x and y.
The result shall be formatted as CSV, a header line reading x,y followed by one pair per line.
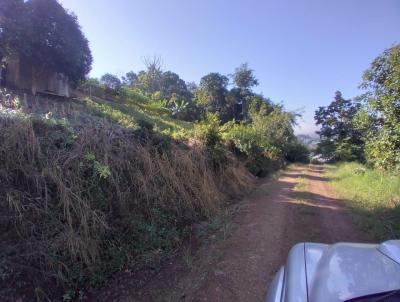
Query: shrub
x,y
246,139
133,94
260,156
298,152
383,151
207,132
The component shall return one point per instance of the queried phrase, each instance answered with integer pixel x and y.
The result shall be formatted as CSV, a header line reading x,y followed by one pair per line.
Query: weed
x,y
187,257
374,197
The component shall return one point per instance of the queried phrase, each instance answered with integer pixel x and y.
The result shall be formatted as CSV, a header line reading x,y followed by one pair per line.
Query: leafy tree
x,y
244,78
298,152
192,87
213,88
267,137
337,129
13,19
142,82
43,32
380,118
91,86
277,128
171,83
111,82
130,79
258,104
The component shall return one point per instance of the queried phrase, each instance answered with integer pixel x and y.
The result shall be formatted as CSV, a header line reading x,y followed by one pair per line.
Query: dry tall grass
x,y
76,205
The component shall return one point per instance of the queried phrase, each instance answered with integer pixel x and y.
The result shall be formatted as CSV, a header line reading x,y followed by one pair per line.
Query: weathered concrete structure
x,y
20,73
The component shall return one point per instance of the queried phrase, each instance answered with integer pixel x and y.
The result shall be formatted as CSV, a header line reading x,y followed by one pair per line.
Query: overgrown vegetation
x,y
45,34
252,126
118,173
77,206
373,195
366,129
90,184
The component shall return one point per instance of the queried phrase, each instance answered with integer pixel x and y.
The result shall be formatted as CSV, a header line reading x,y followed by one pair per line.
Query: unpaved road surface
x,y
296,207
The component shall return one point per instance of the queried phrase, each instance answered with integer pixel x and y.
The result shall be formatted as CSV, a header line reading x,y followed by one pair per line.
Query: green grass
x,y
302,184
374,197
128,113
124,112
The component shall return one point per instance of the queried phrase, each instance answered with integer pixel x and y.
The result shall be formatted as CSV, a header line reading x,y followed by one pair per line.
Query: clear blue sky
x,y
302,51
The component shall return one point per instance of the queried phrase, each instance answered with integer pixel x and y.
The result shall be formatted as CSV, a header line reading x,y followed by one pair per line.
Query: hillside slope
x,y
88,185
127,112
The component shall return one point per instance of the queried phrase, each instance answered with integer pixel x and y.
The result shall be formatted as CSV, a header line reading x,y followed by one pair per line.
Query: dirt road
x,y
298,206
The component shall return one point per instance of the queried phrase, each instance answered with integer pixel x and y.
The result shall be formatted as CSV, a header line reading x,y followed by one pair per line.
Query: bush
x,y
247,142
298,152
207,132
246,139
133,94
383,151
346,151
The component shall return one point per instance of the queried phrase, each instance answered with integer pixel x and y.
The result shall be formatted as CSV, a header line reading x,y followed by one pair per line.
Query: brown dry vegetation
x,y
77,205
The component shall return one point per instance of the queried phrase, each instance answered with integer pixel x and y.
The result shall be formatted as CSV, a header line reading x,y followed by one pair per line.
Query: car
x,y
355,272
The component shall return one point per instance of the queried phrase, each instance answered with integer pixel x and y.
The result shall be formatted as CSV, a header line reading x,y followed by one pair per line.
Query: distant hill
x,y
308,140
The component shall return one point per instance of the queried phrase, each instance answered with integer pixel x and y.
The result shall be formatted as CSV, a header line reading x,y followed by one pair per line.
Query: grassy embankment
x,y
92,187
374,197
127,113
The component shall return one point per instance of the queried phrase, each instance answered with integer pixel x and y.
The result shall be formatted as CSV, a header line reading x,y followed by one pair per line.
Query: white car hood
x,y
343,271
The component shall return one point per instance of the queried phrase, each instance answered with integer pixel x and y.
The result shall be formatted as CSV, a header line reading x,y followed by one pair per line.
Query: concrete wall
x,y
12,73
58,83
21,74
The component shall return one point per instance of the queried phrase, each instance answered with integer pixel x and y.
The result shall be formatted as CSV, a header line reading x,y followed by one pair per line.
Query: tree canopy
x,y
111,81
380,117
367,128
46,34
243,77
130,79
339,136
214,85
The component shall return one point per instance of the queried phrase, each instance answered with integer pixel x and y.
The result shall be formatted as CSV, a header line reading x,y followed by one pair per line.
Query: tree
x,y
258,104
233,106
43,32
244,79
13,19
339,136
130,79
151,78
192,87
171,83
381,110
214,88
111,82
277,129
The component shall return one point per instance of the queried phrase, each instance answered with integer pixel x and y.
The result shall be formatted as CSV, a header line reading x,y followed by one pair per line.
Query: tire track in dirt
x,y
273,223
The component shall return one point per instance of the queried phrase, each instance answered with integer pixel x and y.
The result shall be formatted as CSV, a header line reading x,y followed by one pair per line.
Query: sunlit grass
x,y
373,195
129,113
